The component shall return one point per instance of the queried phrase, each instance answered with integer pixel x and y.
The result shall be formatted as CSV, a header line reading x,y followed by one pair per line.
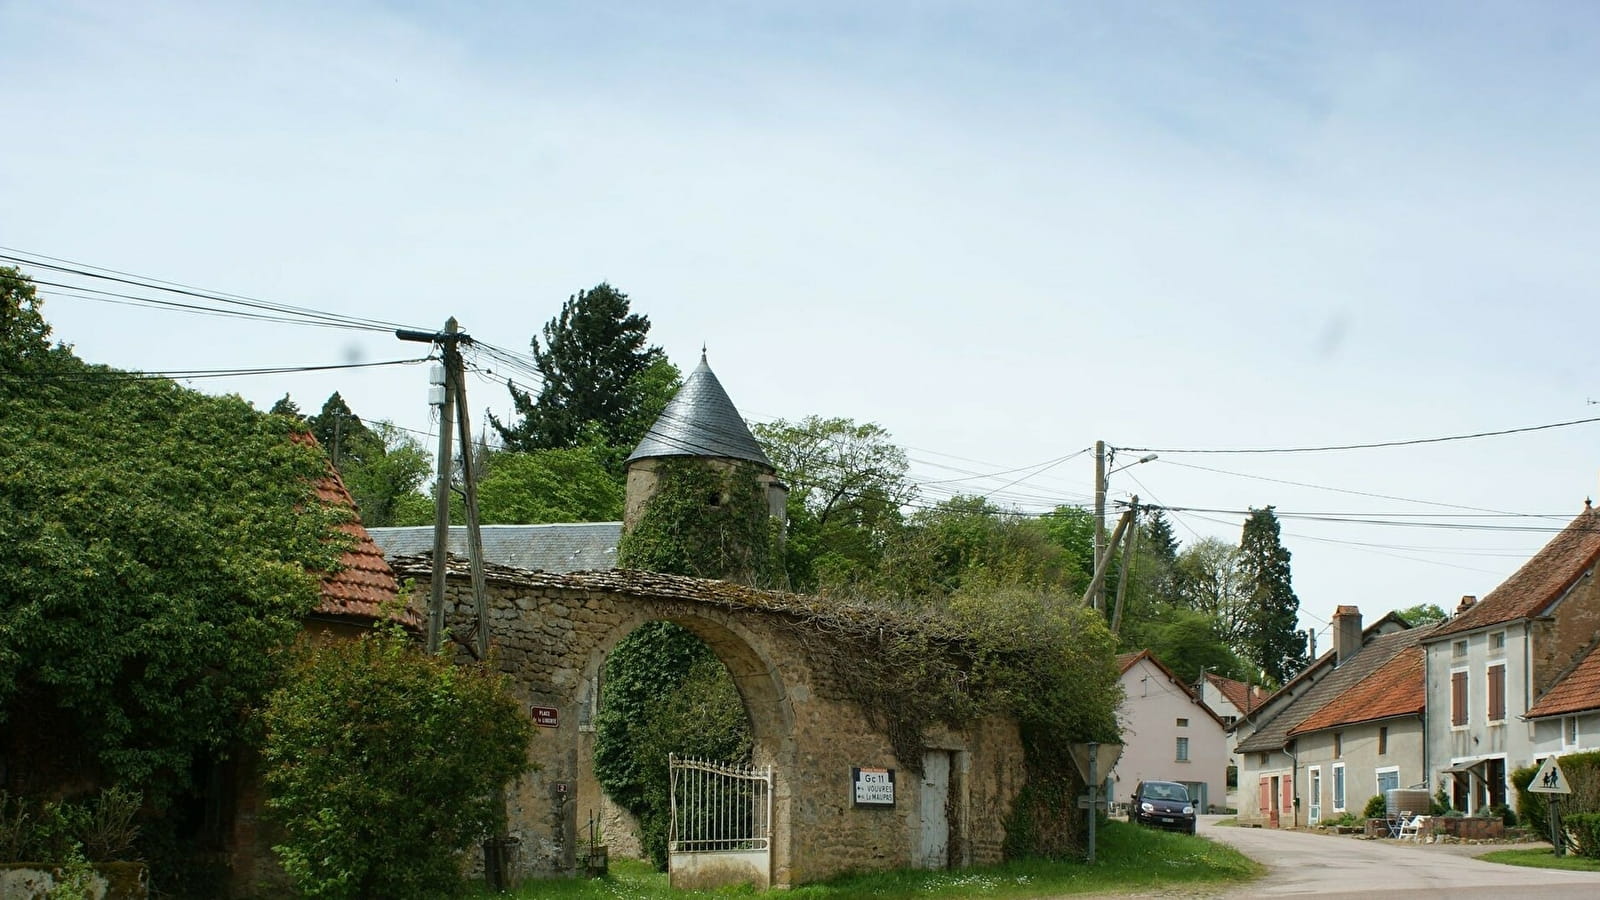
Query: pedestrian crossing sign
x,y
1550,779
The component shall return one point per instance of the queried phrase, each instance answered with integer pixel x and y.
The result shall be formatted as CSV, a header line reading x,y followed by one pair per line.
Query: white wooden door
x,y
935,799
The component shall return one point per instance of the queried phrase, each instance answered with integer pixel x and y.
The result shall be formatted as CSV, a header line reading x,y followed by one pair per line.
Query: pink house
x,y
1168,734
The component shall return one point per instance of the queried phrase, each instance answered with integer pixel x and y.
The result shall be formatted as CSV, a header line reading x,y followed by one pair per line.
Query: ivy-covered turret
x,y
702,497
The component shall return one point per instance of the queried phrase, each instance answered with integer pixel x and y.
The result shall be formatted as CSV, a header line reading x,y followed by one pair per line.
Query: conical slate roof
x,y
701,421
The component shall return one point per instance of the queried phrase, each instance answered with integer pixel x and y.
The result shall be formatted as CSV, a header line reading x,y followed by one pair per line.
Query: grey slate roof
x,y
567,547
701,421
1376,650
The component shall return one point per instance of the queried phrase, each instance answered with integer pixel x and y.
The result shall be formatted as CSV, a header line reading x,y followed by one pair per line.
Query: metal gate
x,y
721,825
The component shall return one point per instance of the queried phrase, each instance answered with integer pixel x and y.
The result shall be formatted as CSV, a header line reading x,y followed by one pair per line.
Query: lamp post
x,y
1102,483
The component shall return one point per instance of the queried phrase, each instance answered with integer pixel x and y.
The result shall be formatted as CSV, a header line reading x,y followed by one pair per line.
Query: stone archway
x,y
761,692
552,632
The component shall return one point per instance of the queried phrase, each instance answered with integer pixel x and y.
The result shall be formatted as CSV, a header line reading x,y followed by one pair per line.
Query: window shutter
x,y
1458,698
1497,693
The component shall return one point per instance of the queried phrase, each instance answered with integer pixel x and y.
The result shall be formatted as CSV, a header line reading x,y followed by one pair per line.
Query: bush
x,y
1583,774
381,765
59,833
1583,833
1377,807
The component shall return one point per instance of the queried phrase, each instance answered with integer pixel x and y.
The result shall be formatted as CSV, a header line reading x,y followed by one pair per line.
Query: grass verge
x,y
1541,858
1128,858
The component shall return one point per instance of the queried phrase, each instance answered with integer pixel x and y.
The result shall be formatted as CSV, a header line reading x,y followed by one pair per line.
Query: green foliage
x,y
847,483
708,522
666,692
24,334
158,545
386,477
1377,807
1583,833
381,763
1583,775
549,486
100,829
1190,642
1422,614
596,368
1270,639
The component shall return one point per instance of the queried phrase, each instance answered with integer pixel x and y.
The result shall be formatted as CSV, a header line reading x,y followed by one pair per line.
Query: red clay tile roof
x,y
1576,691
1541,580
1237,692
1125,661
1395,689
364,586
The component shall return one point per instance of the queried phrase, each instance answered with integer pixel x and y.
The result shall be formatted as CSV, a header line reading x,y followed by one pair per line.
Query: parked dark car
x,y
1162,804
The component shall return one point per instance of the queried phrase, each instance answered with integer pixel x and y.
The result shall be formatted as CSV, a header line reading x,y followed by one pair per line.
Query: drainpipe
x,y
1294,785
1427,738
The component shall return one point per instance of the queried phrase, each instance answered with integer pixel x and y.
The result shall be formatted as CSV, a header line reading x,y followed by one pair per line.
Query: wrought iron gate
x,y
721,825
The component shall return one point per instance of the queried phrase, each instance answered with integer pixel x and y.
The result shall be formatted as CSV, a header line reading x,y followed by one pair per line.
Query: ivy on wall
x,y
706,521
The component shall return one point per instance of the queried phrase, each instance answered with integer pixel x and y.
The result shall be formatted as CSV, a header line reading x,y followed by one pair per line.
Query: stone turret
x,y
699,423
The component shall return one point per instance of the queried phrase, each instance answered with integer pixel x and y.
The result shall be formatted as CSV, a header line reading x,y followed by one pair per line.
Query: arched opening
x,y
687,683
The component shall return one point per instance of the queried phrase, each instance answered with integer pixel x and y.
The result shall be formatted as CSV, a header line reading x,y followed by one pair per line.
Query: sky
x,y
1003,231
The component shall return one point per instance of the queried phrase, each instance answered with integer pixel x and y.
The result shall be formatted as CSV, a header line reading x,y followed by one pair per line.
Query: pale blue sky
x,y
1001,230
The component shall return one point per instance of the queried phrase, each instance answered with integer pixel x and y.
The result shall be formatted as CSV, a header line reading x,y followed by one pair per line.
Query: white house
x,y
1506,676
1168,734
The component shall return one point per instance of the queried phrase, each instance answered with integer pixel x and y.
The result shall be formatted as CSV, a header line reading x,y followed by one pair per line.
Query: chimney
x,y
1466,603
1346,633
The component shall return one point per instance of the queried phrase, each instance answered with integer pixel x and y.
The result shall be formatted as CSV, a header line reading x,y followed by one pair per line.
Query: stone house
x,y
1368,739
1506,676
1273,778
1168,734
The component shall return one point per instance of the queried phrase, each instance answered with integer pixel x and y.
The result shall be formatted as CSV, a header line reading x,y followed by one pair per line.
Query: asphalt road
x,y
1316,865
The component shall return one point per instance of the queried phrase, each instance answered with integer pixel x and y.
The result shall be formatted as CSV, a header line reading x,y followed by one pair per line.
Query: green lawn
x,y
1544,858
1129,858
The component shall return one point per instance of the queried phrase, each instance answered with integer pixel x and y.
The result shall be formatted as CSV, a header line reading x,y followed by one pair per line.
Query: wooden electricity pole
x,y
1127,564
1099,512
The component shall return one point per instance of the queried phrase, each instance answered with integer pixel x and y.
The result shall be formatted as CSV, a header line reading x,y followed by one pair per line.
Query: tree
x,y
548,486
386,474
24,334
1270,638
1210,580
343,435
157,546
1158,538
598,372
1190,642
1422,614
847,483
382,760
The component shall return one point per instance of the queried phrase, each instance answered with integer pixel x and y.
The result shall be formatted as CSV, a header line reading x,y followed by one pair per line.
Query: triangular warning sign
x,y
1550,779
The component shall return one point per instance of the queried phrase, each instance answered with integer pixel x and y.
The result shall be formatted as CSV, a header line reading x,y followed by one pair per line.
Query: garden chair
x,y
1412,829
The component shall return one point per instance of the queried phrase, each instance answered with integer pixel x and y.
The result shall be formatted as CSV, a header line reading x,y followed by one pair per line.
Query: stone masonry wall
x,y
552,634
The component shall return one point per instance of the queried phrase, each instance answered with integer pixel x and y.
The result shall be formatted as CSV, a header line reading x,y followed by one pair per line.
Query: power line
x,y
1333,447
107,374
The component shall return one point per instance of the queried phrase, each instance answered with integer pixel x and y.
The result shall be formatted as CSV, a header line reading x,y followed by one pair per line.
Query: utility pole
x,y
1097,585
446,341
1127,564
1099,511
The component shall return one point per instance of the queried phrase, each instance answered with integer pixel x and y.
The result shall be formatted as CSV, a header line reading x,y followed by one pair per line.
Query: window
x,y
1383,741
1227,721
1338,787
1183,723
1183,749
1458,649
1458,698
1338,744
1569,732
1497,643
1497,693
1316,794
1388,779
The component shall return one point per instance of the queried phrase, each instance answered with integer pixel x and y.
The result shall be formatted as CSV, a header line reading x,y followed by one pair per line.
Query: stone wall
x,y
552,634
1558,640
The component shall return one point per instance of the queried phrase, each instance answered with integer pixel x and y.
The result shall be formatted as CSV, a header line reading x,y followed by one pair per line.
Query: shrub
x,y
57,833
1583,774
1377,807
381,765
1583,833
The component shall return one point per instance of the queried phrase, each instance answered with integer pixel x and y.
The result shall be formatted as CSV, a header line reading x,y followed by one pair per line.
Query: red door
x,y
1268,813
1287,803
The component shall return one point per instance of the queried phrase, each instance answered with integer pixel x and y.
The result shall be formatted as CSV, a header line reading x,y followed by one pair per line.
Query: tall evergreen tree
x,y
597,372
342,434
1158,539
1271,640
